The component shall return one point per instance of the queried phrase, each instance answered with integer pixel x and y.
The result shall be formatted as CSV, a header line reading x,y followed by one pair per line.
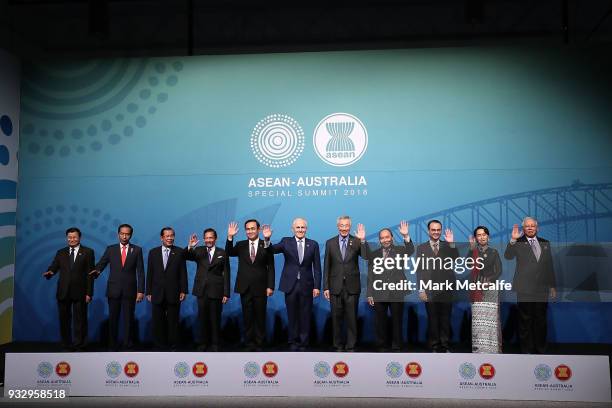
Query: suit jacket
x,y
392,275
127,280
309,269
256,276
531,276
342,273
212,278
74,283
166,284
433,271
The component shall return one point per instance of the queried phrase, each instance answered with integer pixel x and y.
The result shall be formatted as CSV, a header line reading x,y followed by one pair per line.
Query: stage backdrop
x,y
9,143
470,135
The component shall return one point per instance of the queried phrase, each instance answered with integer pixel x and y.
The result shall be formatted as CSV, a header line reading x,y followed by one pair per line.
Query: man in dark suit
x,y
125,286
211,286
342,283
534,283
300,280
435,255
384,300
254,280
74,289
166,289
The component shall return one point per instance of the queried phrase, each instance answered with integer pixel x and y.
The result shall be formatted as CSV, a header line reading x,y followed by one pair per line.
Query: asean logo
x,y
340,139
413,369
181,369
131,369
341,369
251,369
270,369
467,371
322,369
113,369
394,369
277,140
486,371
62,369
199,369
563,372
542,372
44,369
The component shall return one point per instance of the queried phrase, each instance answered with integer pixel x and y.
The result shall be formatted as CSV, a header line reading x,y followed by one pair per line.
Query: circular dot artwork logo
x,y
79,107
277,140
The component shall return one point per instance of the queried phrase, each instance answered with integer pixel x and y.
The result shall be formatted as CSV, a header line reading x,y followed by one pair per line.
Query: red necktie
x,y
123,255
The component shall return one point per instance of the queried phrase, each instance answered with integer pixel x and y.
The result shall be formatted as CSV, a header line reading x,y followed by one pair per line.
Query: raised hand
x,y
266,231
516,234
48,274
448,235
232,229
404,230
472,241
193,240
360,233
94,274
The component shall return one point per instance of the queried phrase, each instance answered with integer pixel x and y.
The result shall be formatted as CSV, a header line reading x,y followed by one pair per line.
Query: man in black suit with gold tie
x,y
342,282
534,283
254,280
211,286
166,289
125,286
74,289
438,303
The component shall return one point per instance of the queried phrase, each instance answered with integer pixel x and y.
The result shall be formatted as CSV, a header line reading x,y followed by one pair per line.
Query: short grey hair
x,y
343,217
298,219
530,218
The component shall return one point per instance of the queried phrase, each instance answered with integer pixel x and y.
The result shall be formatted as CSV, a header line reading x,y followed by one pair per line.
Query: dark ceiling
x,y
31,28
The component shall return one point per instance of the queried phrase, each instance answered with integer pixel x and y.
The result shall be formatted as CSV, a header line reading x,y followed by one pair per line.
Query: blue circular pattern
x,y
162,97
6,124
114,139
78,133
128,131
171,80
97,146
141,121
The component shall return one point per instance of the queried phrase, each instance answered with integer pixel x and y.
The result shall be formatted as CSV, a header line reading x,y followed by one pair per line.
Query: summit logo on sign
x,y
277,140
340,139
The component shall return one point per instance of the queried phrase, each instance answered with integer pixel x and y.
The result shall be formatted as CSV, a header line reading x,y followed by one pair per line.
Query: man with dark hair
x,y
300,280
385,300
254,280
435,255
125,286
166,289
211,286
74,289
534,283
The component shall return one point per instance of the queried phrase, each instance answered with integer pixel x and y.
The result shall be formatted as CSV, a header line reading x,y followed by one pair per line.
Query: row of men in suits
x,y
301,278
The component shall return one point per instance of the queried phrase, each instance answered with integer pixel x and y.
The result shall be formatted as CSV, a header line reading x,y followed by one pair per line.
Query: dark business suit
x,y
439,302
343,280
211,284
532,282
164,286
252,280
387,300
124,282
74,284
297,281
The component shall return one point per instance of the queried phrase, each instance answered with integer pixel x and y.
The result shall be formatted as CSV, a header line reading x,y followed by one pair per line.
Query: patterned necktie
x,y
300,251
252,251
385,252
166,255
343,248
535,248
123,255
435,248
71,260
209,255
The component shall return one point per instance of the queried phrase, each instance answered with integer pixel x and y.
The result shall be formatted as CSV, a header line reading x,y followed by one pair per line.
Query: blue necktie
x,y
166,255
343,248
